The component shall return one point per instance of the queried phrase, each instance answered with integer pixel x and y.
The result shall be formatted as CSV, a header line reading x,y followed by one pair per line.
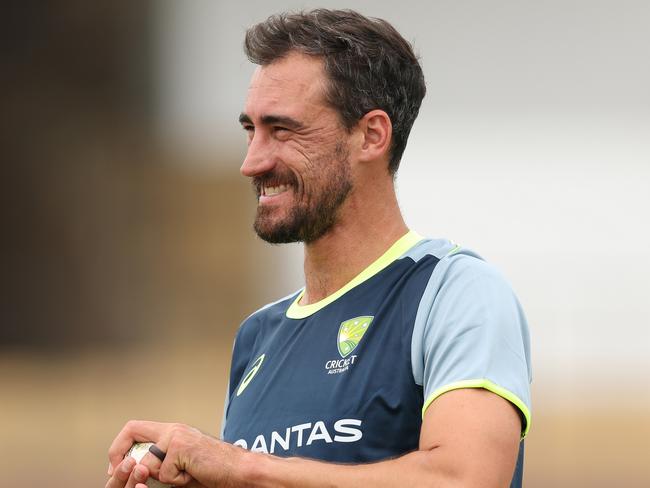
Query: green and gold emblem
x,y
351,332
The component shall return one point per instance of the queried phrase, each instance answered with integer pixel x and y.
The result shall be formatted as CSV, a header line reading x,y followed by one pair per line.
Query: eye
x,y
250,132
281,133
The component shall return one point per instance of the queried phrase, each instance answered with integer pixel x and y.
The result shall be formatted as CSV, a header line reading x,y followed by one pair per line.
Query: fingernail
x,y
110,469
128,464
140,473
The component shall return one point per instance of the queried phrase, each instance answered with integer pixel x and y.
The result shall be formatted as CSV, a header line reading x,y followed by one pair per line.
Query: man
x,y
405,358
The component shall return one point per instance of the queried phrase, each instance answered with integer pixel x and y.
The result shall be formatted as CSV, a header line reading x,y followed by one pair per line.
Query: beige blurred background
x,y
128,258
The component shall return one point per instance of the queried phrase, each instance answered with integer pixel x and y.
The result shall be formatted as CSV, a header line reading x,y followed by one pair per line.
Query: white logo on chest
x,y
344,430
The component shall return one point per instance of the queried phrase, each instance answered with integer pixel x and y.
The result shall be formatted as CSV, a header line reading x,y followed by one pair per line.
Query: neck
x,y
360,236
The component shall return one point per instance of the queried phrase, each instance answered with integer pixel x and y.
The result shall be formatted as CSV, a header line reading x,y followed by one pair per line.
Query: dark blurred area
x,y
115,253
106,238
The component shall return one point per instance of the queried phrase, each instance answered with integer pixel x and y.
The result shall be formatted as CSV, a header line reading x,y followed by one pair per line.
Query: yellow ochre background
x,y
128,259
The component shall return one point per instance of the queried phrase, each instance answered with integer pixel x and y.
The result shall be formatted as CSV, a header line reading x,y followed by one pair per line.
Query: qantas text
x,y
343,430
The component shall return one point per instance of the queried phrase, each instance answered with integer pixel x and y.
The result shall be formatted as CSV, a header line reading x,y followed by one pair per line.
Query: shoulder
x,y
252,330
457,269
467,302
470,332
252,325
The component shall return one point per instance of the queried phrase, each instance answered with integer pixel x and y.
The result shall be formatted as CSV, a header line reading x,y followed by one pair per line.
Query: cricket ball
x,y
137,452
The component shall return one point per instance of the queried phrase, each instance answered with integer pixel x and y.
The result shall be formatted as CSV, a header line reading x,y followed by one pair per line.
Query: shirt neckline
x,y
403,244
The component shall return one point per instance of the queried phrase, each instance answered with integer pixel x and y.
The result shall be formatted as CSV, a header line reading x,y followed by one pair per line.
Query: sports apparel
x,y
348,379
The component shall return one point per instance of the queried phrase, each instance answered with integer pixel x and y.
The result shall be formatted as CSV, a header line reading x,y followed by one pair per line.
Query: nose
x,y
259,157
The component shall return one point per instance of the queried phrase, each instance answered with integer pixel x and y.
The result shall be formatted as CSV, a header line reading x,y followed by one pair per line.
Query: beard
x,y
314,215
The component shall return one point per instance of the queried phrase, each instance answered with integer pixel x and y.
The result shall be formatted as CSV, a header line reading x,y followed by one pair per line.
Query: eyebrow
x,y
271,120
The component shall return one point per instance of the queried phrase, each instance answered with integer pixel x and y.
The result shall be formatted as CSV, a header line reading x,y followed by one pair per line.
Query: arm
x,y
469,438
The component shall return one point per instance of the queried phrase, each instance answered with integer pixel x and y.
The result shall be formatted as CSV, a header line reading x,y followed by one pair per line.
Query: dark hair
x,y
369,64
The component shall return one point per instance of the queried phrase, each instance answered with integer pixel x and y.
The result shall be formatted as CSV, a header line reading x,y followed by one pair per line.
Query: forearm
x,y
469,439
418,468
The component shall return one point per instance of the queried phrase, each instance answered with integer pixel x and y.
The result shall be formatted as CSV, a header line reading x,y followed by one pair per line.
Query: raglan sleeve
x,y
471,332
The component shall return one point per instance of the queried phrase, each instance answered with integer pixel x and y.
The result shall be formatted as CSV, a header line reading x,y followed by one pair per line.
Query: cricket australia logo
x,y
350,334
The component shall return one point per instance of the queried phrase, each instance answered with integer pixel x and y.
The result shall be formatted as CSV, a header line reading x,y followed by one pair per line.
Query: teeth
x,y
274,190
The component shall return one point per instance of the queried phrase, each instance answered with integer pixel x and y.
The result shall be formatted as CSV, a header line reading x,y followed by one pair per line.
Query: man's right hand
x,y
128,474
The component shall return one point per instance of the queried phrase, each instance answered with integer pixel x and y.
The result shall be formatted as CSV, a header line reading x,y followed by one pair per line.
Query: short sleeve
x,y
470,332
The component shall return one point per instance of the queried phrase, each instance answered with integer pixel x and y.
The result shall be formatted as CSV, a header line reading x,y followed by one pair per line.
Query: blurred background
x,y
127,240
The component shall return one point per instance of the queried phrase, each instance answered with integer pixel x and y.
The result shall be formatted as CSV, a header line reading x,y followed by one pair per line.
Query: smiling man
x,y
298,152
403,361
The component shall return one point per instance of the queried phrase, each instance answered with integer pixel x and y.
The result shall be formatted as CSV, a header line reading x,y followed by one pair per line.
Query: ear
x,y
377,133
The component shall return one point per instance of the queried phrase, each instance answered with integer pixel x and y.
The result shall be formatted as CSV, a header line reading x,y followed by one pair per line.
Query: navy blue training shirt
x,y
348,379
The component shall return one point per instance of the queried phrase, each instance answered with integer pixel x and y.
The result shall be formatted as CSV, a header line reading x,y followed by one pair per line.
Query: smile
x,y
269,191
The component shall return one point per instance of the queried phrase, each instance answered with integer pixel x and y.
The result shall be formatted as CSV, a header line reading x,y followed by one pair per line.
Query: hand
x,y
125,476
191,457
128,475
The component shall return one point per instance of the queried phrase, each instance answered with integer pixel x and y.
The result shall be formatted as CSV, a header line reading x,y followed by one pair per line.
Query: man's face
x,y
297,151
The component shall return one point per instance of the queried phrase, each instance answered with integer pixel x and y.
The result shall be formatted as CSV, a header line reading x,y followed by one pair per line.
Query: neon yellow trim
x,y
251,374
454,250
406,242
487,385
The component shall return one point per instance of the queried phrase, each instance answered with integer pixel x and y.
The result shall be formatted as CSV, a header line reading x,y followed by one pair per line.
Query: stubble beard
x,y
315,215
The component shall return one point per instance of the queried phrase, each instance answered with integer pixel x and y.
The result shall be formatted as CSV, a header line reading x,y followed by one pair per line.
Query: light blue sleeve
x,y
470,332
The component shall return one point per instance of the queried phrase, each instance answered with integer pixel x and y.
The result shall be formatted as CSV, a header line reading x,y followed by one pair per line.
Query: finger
x,y
133,431
121,473
139,475
156,451
170,473
152,463
186,449
172,470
